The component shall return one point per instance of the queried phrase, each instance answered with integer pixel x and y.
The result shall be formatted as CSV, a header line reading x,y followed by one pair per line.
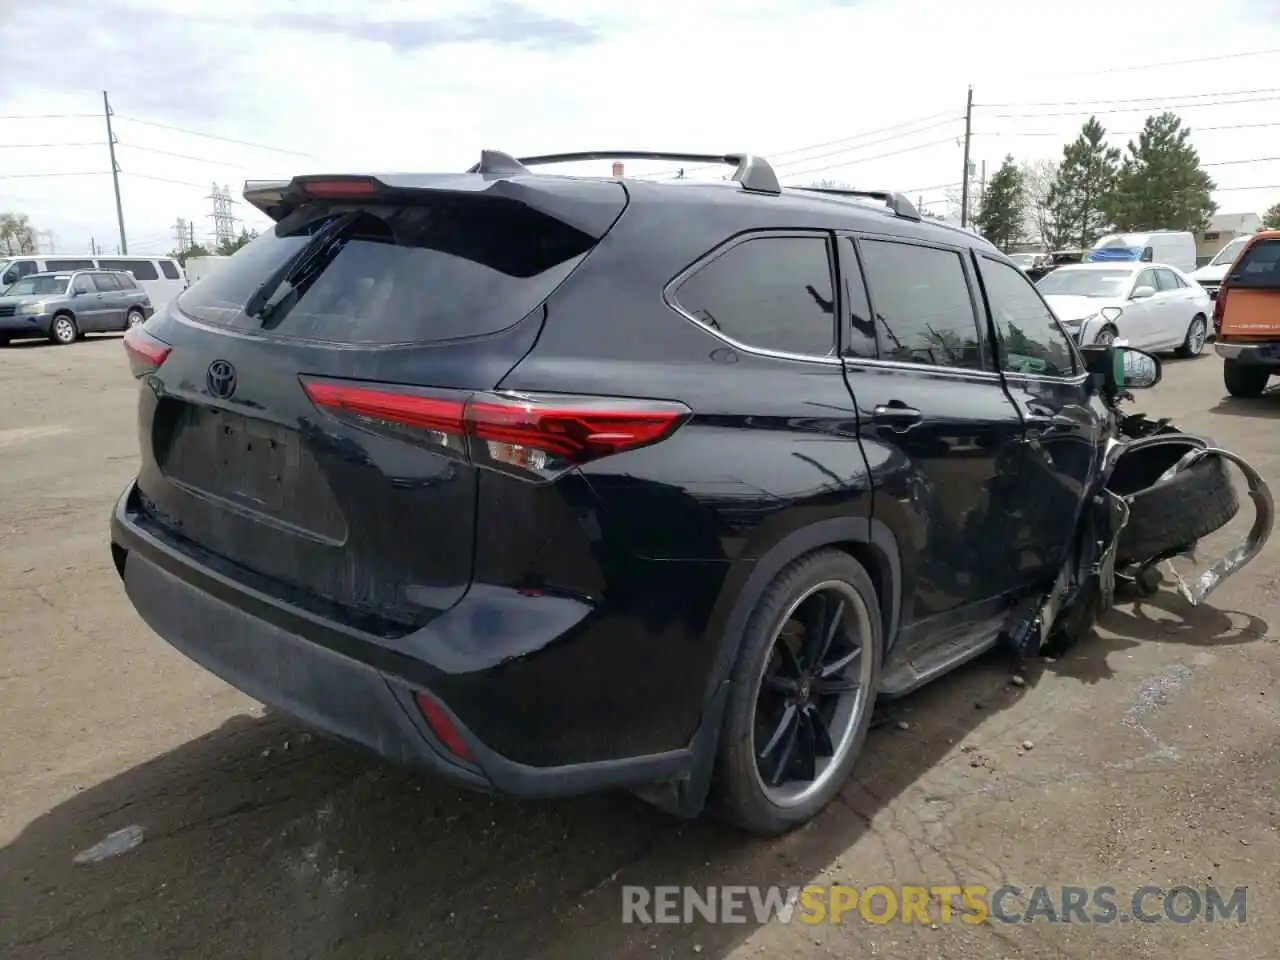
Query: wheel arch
x,y
868,541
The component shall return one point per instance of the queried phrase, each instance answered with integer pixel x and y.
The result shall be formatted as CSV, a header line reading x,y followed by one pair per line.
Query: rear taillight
x,y
538,433
145,352
442,726
1219,309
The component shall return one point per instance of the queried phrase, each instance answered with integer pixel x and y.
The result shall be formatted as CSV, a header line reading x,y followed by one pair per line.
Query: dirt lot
x,y
1155,760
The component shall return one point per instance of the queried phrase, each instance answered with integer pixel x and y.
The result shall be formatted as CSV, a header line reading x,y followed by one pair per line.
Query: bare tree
x,y
17,235
1038,177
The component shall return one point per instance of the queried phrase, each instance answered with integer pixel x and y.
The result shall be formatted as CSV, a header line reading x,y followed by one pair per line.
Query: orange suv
x,y
1246,316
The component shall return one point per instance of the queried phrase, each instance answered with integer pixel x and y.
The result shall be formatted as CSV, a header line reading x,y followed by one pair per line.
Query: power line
x,y
148,176
211,136
1164,105
183,156
1121,133
948,115
42,146
1179,96
50,116
32,176
879,156
1232,163
1132,68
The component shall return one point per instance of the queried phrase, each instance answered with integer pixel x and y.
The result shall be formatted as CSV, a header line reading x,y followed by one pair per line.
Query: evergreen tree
x,y
1271,219
1161,185
1076,205
1003,214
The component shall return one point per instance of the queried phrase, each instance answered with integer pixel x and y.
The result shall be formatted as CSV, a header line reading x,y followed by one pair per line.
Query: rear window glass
x,y
68,265
400,274
169,269
1259,266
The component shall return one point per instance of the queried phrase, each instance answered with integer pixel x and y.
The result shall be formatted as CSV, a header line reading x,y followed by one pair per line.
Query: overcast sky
x,y
424,84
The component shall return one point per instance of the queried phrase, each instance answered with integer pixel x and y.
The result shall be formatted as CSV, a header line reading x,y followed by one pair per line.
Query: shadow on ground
x,y
1265,407
261,841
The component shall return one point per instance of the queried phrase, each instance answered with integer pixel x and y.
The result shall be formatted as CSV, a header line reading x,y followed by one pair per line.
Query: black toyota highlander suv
x,y
555,483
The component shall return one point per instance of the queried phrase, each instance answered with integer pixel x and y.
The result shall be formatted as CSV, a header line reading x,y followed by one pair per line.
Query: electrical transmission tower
x,y
224,221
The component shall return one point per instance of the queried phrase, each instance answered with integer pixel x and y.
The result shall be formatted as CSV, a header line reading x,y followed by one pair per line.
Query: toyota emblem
x,y
221,379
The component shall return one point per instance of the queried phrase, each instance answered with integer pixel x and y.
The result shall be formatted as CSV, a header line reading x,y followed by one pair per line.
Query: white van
x,y
1211,274
1173,248
161,277
197,268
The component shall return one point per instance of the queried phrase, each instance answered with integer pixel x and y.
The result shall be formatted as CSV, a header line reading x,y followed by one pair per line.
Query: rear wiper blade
x,y
273,291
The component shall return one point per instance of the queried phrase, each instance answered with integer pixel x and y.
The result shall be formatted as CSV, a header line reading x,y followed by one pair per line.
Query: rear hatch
x,y
414,292
1248,302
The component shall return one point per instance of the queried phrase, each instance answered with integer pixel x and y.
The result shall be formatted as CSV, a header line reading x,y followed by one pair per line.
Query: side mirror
x,y
1141,293
1135,369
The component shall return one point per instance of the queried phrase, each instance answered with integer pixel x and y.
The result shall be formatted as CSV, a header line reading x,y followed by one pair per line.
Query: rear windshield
x,y
400,274
1259,266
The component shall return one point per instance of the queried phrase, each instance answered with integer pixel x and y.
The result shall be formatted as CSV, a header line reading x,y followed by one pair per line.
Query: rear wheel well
x,y
878,568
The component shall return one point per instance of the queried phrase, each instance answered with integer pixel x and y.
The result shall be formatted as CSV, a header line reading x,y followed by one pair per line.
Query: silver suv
x,y
65,305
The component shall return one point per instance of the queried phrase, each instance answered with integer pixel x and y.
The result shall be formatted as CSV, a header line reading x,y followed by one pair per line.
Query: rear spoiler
x,y
590,206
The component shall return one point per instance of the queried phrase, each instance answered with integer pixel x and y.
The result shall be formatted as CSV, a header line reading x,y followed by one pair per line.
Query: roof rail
x,y
895,201
754,173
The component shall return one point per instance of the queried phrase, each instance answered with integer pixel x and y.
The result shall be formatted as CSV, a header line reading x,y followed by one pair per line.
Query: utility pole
x,y
968,135
115,171
191,233
93,245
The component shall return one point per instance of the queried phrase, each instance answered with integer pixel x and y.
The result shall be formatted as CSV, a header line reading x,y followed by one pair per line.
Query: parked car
x,y
161,277
553,484
1210,275
1246,316
65,306
1151,306
1177,248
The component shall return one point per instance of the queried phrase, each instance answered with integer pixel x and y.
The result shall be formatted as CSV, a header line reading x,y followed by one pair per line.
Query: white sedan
x,y
1148,305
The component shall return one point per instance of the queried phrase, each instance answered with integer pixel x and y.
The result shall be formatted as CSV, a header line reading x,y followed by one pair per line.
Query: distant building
x,y
1223,228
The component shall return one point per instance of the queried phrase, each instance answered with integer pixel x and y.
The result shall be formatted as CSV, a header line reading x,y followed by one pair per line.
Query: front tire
x,y
801,695
64,330
1244,381
1106,336
1193,343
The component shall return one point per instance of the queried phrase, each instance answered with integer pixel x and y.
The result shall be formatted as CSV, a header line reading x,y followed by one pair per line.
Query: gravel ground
x,y
1154,760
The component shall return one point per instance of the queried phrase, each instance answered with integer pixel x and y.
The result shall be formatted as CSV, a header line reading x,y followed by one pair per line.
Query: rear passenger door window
x,y
923,307
862,342
770,292
169,269
1028,337
1166,281
106,283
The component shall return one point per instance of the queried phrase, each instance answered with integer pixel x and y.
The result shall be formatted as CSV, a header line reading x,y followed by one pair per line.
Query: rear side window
x,y
862,325
126,281
770,292
141,269
170,270
106,282
55,265
1166,280
393,274
1259,265
924,313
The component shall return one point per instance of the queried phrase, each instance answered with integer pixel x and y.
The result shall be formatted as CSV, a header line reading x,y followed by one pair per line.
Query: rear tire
x,y
1193,343
1244,381
770,788
134,318
64,330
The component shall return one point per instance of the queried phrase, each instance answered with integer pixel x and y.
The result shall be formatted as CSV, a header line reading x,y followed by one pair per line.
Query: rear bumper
x,y
357,687
1252,354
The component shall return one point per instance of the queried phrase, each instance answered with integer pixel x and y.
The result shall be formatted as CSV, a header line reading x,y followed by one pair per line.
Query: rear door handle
x,y
896,414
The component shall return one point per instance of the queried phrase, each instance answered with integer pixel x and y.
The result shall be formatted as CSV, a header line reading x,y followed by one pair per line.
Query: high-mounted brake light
x,y
537,432
145,352
339,187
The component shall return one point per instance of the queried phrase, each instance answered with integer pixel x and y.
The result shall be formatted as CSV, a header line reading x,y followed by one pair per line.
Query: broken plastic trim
x,y
1259,533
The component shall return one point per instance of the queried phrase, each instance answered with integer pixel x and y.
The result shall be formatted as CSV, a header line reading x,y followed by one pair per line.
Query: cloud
x,y
502,22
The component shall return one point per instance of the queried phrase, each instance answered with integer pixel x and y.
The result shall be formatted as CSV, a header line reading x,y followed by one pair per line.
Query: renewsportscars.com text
x,y
917,904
